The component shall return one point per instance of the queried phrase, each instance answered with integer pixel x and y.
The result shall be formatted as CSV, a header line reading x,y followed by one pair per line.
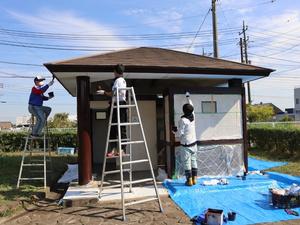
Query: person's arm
x,y
180,129
108,93
39,91
45,98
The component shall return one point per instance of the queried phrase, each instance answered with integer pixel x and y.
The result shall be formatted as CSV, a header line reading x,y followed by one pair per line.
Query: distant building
x,y
5,125
72,118
297,103
22,120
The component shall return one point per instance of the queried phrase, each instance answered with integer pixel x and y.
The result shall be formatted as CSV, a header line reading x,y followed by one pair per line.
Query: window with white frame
x,y
209,106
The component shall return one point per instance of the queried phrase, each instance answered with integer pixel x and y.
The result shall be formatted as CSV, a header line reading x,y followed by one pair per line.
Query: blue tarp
x,y
256,164
248,198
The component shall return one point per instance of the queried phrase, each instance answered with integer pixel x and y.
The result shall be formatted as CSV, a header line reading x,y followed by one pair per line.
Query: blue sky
x,y
273,30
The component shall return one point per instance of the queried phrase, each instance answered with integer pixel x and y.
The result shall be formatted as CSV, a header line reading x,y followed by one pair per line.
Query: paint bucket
x,y
231,216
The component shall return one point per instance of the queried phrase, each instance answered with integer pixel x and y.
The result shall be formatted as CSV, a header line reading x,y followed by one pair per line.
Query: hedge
x,y
280,140
14,141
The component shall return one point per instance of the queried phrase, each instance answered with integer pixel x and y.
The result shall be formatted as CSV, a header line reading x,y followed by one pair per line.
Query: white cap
x,y
39,78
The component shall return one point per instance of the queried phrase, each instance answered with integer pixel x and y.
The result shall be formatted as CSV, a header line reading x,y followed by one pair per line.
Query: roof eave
x,y
157,69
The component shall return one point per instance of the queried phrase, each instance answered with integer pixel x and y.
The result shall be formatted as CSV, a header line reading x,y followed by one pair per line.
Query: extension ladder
x,y
130,104
35,157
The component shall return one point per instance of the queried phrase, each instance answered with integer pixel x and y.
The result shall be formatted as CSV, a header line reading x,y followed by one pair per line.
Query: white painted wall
x,y
225,124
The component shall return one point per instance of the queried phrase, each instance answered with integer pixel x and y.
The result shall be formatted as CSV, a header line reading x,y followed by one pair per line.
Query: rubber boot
x,y
189,180
194,175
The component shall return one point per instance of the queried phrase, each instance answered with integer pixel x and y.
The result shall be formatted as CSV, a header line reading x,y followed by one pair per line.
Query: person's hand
x,y
51,83
174,129
100,92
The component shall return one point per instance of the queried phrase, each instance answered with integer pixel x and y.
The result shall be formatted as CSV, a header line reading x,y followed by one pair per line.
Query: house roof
x,y
152,63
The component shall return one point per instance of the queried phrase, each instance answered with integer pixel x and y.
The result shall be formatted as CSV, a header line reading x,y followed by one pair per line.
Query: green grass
x,y
10,196
292,168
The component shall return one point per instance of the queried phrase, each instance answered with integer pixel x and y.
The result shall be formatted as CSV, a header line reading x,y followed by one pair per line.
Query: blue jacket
x,y
37,95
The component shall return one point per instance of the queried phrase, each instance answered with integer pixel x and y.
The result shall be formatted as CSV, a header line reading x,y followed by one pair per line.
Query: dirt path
x,y
45,213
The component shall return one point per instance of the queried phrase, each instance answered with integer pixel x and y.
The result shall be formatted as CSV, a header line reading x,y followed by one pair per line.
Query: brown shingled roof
x,y
156,60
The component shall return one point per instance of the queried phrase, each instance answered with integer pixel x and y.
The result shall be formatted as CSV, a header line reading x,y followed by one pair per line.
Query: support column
x,y
237,83
84,130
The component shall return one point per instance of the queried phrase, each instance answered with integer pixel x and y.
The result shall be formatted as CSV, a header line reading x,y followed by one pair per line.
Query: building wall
x,y
226,123
148,116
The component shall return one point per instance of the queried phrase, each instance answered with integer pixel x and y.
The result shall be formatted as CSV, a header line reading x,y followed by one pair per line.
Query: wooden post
x,y
237,83
84,130
245,132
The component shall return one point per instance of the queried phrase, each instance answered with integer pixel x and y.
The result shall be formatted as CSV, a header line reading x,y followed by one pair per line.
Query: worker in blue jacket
x,y
35,104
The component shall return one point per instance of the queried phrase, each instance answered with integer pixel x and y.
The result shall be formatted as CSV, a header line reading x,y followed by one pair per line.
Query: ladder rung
x,y
112,186
115,171
132,142
116,140
37,138
34,178
125,124
124,106
135,161
33,164
138,181
127,88
40,160
140,201
40,171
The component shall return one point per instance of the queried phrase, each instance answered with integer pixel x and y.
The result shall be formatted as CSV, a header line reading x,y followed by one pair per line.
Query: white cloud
x,y
276,36
167,20
71,23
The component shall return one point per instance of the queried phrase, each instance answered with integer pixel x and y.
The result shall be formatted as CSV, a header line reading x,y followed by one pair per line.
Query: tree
x,y
259,113
60,120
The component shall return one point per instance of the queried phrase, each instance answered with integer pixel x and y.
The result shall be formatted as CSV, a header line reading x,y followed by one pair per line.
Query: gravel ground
x,y
43,212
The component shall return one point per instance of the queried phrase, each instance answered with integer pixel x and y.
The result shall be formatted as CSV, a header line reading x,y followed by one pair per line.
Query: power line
x,y
49,35
198,30
274,58
20,64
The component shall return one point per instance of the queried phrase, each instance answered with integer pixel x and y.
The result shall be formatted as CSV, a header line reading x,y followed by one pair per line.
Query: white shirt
x,y
119,83
186,131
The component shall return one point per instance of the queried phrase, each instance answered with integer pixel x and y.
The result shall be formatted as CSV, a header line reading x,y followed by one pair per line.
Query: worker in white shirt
x,y
186,132
119,82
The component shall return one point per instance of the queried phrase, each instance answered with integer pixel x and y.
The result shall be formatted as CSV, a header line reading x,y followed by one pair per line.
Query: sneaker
x,y
111,154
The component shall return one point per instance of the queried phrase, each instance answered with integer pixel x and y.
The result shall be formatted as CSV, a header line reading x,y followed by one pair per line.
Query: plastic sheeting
x,y
248,198
70,175
256,164
214,160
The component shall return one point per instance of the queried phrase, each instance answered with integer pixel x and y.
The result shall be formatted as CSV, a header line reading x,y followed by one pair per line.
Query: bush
x,y
15,141
278,140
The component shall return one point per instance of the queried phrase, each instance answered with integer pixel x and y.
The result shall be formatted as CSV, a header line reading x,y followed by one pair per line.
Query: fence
x,y
288,124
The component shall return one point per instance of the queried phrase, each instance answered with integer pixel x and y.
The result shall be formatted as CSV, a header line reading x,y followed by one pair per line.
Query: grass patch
x,y
292,168
10,196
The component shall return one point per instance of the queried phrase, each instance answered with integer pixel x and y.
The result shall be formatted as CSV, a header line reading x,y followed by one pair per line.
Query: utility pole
x,y
215,31
244,52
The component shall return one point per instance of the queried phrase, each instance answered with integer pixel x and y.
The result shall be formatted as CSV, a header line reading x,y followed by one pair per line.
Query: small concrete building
x,y
5,125
161,77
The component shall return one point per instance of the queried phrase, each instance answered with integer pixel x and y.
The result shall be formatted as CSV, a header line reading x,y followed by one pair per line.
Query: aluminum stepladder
x,y
33,157
132,104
